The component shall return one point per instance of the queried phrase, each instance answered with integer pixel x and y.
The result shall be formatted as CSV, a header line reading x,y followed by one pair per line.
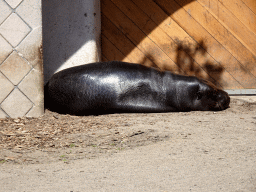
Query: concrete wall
x,y
71,37
71,34
21,70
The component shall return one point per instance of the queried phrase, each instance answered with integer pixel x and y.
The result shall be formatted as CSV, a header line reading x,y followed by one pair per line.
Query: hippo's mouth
x,y
219,106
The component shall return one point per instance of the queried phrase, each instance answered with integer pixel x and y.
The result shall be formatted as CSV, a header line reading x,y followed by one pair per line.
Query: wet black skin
x,y
115,87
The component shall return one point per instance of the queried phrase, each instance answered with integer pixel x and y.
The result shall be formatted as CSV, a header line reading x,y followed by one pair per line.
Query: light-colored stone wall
x,y
21,67
71,37
71,34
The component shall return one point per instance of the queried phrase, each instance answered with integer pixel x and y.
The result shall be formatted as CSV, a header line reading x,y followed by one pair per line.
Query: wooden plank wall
x,y
212,39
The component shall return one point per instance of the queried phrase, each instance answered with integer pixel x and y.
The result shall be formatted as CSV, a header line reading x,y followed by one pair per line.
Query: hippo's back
x,y
107,86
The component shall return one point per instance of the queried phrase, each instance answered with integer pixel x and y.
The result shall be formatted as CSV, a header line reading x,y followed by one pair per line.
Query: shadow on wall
x,y
187,63
187,66
67,27
149,32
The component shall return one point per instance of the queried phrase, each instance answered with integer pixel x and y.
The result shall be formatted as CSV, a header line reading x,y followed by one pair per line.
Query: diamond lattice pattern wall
x,y
21,70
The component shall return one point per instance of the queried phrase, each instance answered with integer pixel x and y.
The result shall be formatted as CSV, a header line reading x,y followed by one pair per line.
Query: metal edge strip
x,y
241,91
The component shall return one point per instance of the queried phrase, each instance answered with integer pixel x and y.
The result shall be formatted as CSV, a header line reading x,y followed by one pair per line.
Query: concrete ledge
x,y
241,91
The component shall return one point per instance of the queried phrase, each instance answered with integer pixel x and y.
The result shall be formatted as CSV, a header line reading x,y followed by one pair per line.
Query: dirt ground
x,y
69,139
54,137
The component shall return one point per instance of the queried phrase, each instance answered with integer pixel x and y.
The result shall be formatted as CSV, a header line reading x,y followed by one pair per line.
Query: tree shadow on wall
x,y
185,60
151,32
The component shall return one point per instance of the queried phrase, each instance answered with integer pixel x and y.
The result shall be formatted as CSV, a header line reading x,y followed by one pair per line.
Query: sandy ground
x,y
194,151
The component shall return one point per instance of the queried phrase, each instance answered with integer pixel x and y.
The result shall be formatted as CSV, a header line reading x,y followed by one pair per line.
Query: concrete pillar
x,y
21,70
71,34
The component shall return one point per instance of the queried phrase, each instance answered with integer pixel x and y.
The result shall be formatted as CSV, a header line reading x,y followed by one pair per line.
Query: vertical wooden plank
x,y
229,21
194,49
242,12
214,48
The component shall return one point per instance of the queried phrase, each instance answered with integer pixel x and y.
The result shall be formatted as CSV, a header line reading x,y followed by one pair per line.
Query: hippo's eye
x,y
199,95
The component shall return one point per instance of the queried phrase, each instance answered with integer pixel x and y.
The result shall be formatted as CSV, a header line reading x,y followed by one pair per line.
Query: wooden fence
x,y
212,39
